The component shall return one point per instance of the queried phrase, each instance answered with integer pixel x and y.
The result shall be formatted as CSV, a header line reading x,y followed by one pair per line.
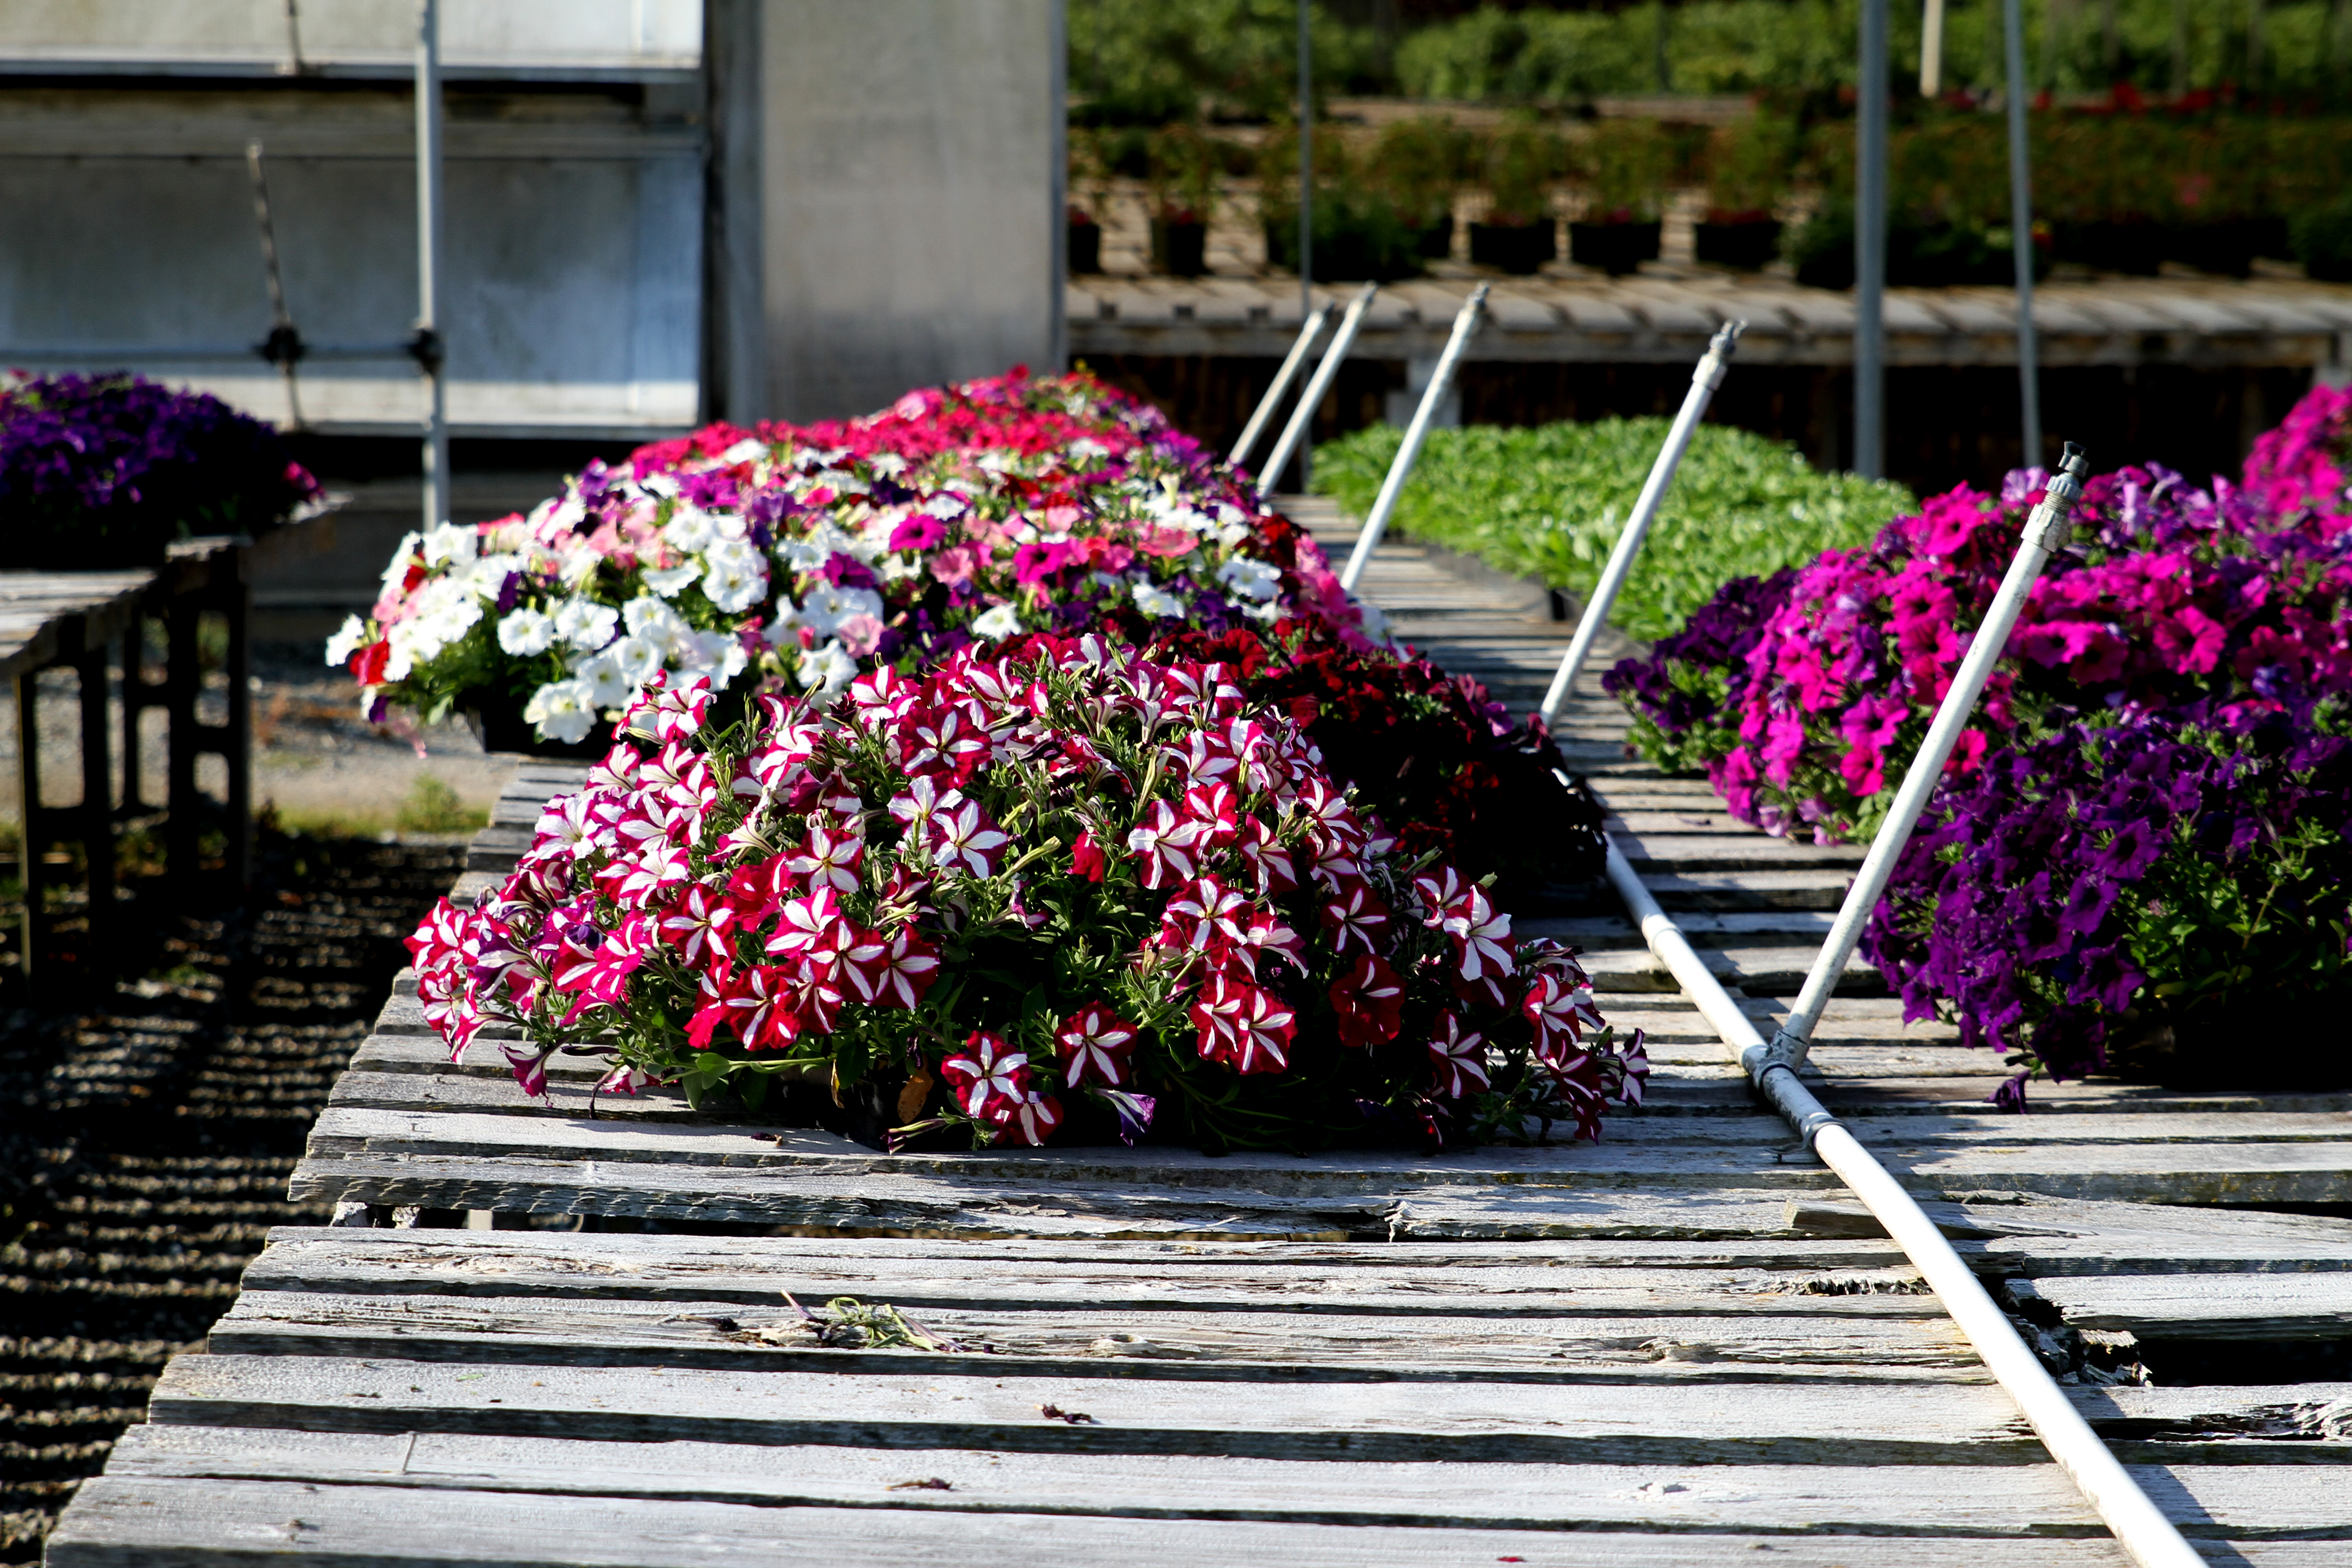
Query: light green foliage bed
x,y
1547,502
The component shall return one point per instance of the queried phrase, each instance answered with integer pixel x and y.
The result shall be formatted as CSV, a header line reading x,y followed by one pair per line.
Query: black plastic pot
x,y
2275,1042
1615,249
1179,250
1434,241
2228,248
500,727
1516,248
2134,247
1746,246
1085,246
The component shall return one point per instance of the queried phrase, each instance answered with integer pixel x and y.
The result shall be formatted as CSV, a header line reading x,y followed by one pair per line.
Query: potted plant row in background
x,y
107,472
1012,677
2140,856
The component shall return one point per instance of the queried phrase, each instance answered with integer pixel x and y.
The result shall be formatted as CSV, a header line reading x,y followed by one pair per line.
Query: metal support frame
x,y
2046,533
91,823
183,593
1263,415
425,344
1705,378
2020,228
1368,539
1870,247
1303,416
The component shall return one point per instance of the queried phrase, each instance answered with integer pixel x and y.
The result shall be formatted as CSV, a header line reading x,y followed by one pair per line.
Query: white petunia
x,y
1268,612
584,623
649,618
747,450
1002,621
827,606
397,573
637,658
719,654
827,669
1155,603
737,578
450,544
669,582
527,632
689,530
601,674
1248,579
349,638
564,711
580,563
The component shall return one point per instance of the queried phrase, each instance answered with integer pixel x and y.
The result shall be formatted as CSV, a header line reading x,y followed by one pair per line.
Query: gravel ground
x,y
145,1144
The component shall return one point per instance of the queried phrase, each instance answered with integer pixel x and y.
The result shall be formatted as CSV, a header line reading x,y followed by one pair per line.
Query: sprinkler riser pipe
x,y
1705,377
1263,415
2045,530
1318,384
1368,537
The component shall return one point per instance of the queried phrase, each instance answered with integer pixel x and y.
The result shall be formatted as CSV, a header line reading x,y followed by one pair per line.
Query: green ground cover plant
x,y
1548,501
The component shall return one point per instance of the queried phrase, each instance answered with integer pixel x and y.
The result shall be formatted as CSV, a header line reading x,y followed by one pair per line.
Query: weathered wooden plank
x,y
2234,1502
2313,1304
960,1402
1111,1335
170,1522
1796,889
2006,1232
1680,853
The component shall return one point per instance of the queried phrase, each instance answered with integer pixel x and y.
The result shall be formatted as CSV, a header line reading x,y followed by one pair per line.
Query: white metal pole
x,y
427,345
1264,414
2140,1526
1317,386
1931,52
2021,229
1704,379
1466,326
1870,247
2046,533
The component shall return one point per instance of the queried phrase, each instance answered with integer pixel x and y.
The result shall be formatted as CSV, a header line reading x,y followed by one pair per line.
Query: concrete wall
x,y
911,165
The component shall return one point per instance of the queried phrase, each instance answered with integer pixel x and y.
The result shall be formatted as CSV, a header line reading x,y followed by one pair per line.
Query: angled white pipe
x,y
1317,386
1263,415
2140,1526
1705,378
2045,532
1466,325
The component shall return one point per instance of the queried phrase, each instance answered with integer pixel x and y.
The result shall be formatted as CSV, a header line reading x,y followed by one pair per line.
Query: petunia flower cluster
x,y
2187,871
803,555
1069,891
1806,696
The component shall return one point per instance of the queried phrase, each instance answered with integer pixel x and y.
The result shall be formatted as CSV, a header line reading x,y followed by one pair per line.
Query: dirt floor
x,y
145,1139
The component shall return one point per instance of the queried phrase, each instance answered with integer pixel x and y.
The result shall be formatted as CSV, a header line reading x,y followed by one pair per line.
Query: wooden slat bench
x,y
572,1330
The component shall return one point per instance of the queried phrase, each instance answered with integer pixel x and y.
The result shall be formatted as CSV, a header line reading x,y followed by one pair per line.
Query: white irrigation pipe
x,y
1264,414
1704,379
2140,1526
2045,531
1466,326
426,342
1320,382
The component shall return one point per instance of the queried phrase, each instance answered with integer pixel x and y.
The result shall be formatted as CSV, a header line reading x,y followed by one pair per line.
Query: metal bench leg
x,y
235,601
29,852
96,813
182,681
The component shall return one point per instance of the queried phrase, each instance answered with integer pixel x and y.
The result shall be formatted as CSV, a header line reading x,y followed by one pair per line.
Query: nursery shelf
x,y
1685,1344
2210,322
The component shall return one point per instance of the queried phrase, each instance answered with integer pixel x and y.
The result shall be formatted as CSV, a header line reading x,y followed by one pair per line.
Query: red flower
x,y
1168,846
1457,1058
890,971
367,664
1247,1029
1026,1122
697,924
1094,1045
831,856
1560,1014
1369,1001
1087,858
1356,919
988,1071
964,837
1203,913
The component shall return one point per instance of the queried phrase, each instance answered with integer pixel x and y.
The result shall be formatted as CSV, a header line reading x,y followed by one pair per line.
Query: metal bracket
x,y
2052,525
425,348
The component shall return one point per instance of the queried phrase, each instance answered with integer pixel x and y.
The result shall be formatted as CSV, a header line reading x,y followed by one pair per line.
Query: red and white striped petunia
x,y
1481,935
1270,867
892,970
1201,913
1369,1002
966,839
1243,1026
1457,1058
698,923
1356,919
831,857
1026,1122
812,929
986,1071
1169,847
1094,1045
647,877
1559,1016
